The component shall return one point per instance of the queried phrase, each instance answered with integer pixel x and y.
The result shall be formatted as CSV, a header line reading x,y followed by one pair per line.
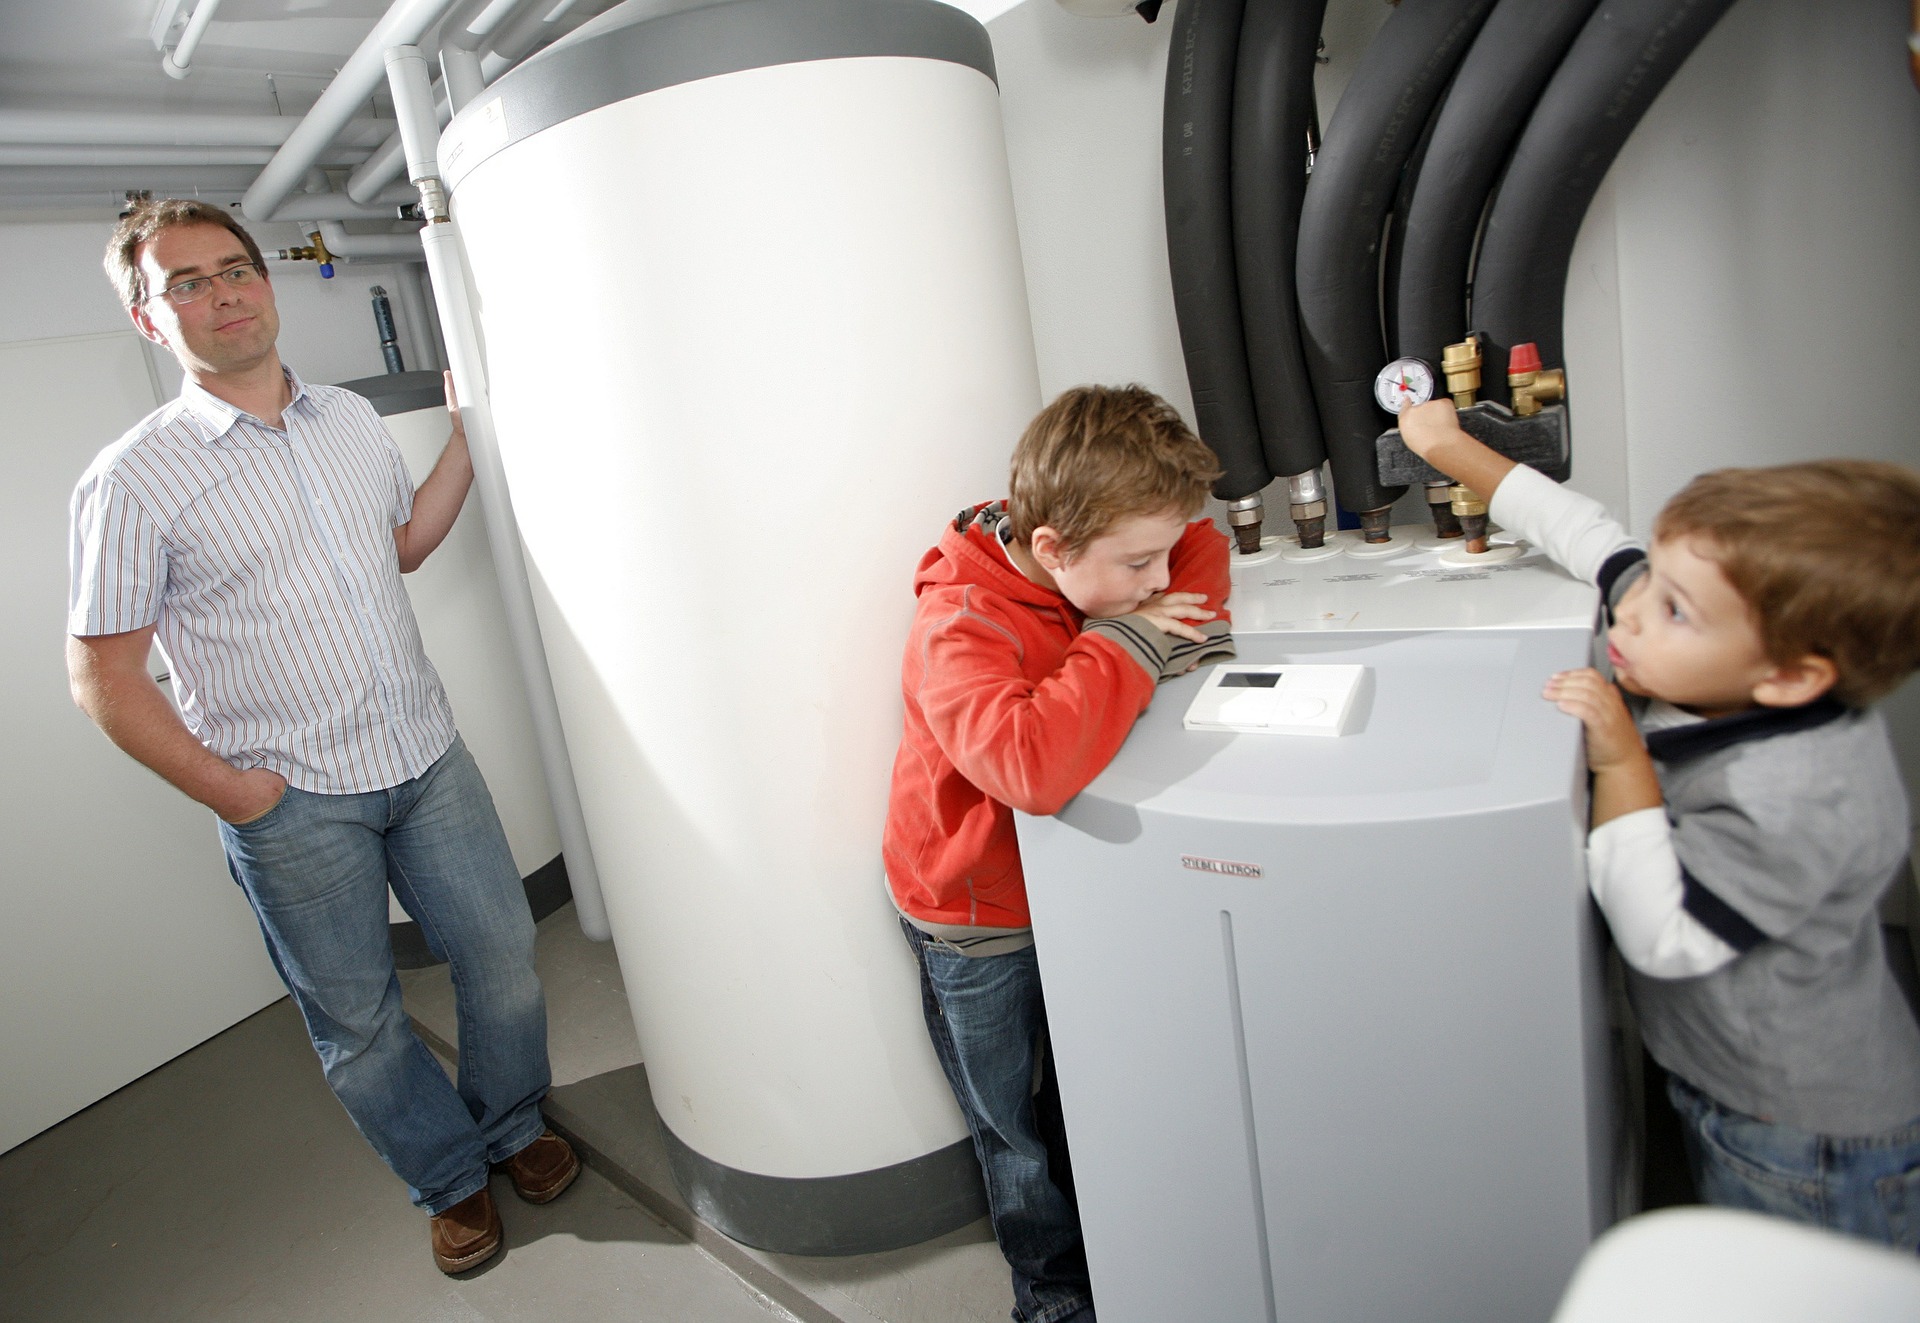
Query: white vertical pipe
x,y
413,314
362,72
410,78
389,159
176,60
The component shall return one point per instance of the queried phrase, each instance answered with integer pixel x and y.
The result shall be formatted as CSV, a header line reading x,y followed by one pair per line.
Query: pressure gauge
x,y
1402,384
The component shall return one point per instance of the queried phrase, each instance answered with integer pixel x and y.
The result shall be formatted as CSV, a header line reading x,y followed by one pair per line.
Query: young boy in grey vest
x,y
1748,814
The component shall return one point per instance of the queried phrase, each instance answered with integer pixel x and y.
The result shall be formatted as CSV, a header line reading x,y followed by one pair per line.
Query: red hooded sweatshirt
x,y
1014,699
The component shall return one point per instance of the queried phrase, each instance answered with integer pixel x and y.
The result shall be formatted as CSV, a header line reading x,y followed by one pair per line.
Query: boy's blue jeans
x,y
989,1028
1865,1187
316,869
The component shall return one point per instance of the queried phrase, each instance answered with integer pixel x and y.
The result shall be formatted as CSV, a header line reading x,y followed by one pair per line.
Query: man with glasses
x,y
259,526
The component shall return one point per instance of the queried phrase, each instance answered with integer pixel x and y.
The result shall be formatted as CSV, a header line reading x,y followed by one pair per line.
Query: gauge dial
x,y
1402,384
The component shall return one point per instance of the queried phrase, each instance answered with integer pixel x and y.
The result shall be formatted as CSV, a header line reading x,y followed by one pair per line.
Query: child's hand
x,y
1428,426
1624,779
1433,432
1612,738
1169,613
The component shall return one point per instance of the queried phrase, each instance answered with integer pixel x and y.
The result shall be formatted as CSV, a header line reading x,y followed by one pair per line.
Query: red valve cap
x,y
1524,358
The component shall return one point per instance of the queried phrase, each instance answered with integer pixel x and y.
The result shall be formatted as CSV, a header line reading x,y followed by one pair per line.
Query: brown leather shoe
x,y
543,1169
467,1234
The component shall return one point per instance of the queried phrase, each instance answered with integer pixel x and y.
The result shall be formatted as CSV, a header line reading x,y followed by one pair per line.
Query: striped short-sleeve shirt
x,y
265,559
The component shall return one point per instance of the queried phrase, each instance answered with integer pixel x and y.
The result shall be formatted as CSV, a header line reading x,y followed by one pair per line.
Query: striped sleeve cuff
x,y
1187,654
1139,639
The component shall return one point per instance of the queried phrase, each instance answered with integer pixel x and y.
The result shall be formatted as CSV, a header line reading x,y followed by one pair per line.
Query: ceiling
x,y
257,58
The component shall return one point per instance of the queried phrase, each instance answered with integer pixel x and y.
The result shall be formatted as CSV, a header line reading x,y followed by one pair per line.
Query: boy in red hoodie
x,y
1043,624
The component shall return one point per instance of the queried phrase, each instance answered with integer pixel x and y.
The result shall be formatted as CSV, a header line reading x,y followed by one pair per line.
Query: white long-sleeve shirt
x,y
1632,869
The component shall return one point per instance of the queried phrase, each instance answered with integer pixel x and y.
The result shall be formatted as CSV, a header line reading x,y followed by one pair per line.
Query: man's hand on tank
x,y
1170,612
1612,738
257,792
459,433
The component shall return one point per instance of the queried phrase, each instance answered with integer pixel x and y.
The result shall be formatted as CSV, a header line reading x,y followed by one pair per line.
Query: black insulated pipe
x,y
1196,161
1374,129
1624,55
1273,112
1485,111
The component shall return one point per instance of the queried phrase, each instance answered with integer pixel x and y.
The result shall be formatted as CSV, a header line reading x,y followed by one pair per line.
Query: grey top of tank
x,y
635,48
399,392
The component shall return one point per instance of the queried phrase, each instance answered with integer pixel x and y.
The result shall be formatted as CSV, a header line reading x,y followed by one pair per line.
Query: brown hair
x,y
1100,453
1826,556
148,219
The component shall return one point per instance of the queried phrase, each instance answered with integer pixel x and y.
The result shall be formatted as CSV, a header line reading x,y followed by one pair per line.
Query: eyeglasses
x,y
192,291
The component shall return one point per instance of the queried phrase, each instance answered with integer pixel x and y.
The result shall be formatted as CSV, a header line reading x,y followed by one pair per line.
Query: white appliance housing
x,y
1329,1014
756,327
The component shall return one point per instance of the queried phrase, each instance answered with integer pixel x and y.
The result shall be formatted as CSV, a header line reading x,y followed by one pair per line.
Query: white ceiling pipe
x,y
80,178
408,75
492,17
175,61
530,31
47,154
390,158
162,25
364,70
370,247
461,77
92,128
338,206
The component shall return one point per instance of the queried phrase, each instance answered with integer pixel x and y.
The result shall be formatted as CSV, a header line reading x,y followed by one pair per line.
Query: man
x,y
259,526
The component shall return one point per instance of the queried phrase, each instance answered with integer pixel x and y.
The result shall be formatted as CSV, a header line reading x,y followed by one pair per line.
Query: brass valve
x,y
1461,363
1471,510
314,252
1531,384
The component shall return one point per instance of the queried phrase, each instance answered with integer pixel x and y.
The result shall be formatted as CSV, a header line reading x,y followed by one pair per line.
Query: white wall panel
x,y
123,942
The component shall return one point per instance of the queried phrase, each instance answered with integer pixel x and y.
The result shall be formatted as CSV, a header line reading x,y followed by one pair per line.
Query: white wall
x,y
1744,290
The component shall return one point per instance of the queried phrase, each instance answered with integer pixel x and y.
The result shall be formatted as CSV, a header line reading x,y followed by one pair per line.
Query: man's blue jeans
x,y
989,1028
1867,1187
316,869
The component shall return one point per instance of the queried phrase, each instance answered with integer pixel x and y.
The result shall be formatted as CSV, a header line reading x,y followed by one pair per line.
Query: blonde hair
x,y
1826,556
148,219
1098,454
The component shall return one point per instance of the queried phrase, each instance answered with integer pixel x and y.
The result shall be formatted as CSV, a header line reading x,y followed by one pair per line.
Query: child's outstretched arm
x,y
1432,431
1575,530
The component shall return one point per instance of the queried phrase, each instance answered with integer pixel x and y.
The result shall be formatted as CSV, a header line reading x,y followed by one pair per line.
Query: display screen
x,y
1250,679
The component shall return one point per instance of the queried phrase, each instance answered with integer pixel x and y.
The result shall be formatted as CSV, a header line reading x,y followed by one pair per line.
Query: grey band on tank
x,y
399,392
864,1212
619,55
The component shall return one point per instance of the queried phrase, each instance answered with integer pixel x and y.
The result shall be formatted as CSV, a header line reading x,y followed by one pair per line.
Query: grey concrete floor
x,y
601,1100
229,1185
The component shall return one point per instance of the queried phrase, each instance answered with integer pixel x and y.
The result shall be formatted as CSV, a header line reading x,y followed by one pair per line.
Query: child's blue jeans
x,y
1866,1187
989,1029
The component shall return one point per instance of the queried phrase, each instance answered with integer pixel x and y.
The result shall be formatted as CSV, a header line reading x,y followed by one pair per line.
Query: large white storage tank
x,y
756,328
